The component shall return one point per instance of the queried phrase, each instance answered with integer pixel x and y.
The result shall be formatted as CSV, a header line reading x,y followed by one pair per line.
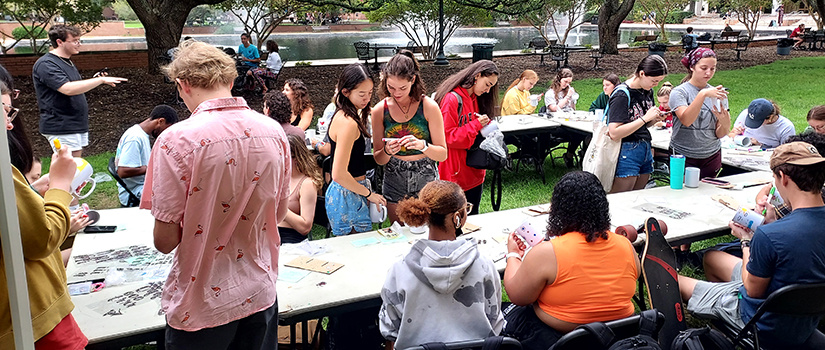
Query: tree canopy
x,y
37,15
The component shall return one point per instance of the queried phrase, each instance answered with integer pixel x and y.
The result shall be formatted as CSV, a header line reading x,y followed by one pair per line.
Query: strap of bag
x,y
601,332
620,87
647,322
495,190
492,343
461,103
434,346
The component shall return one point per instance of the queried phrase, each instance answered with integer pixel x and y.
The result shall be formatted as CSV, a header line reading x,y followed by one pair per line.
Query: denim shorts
x,y
347,210
406,178
635,158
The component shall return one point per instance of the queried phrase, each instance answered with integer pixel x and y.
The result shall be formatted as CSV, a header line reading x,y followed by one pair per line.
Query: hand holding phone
x,y
102,73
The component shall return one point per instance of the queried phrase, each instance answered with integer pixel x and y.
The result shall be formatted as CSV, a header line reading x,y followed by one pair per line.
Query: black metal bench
x,y
641,38
741,46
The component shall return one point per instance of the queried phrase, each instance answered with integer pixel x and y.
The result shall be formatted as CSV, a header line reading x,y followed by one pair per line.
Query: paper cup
x,y
742,140
691,177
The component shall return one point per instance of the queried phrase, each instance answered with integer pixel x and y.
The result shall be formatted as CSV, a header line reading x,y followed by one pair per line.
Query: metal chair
x,y
133,200
504,343
741,46
558,54
595,54
795,300
362,50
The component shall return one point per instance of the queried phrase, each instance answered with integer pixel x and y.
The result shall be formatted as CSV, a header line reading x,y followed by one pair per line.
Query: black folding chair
x,y
133,200
581,339
795,300
498,342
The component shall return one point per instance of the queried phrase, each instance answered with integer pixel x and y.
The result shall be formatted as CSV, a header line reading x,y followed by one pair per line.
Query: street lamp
x,y
440,59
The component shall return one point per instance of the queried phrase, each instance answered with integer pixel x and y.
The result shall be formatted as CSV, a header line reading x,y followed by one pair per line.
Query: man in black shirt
x,y
64,113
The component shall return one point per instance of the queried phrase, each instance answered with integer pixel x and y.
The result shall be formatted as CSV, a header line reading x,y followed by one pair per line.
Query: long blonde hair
x,y
526,74
304,161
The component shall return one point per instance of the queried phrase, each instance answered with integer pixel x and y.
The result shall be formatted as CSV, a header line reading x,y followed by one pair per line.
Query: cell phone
x,y
715,181
389,139
101,72
99,229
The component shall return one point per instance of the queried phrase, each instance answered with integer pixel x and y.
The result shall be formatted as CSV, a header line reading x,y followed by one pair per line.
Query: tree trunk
x,y
163,22
820,11
610,18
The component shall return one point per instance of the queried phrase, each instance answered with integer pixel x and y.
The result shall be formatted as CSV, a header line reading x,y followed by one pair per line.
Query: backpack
x,y
701,338
643,341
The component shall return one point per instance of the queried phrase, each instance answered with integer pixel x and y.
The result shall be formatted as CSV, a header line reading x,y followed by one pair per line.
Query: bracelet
x,y
513,255
385,150
426,145
319,144
745,243
368,194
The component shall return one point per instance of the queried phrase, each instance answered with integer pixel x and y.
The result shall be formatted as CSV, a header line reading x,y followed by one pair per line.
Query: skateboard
x,y
632,232
662,281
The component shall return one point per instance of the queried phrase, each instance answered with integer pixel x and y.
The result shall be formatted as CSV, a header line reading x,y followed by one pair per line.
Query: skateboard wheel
x,y
628,231
662,226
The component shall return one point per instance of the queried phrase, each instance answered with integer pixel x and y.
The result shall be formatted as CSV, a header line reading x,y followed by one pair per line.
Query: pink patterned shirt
x,y
220,174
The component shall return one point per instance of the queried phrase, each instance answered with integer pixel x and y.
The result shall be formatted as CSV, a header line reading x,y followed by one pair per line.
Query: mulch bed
x,y
113,110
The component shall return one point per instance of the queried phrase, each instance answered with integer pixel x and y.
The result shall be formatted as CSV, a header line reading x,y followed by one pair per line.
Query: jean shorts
x,y
406,178
346,210
635,158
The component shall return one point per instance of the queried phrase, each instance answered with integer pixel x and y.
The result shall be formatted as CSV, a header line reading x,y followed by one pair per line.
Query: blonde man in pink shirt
x,y
219,185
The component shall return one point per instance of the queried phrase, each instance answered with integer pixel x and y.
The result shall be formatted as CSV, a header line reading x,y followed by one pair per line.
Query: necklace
x,y
407,112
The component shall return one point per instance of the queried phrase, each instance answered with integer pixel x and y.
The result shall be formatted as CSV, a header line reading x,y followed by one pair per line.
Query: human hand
x,y
515,244
721,114
62,170
79,221
483,119
715,92
392,147
411,142
377,199
111,81
653,114
738,130
740,231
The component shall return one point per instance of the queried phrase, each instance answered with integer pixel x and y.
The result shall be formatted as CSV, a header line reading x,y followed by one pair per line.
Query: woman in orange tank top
x,y
583,274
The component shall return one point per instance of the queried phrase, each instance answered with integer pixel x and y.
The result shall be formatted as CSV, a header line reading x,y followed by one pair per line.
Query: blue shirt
x,y
132,152
251,53
788,251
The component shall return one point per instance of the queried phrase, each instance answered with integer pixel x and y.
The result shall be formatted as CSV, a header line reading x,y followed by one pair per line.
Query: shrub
x,y
25,32
303,64
657,46
678,17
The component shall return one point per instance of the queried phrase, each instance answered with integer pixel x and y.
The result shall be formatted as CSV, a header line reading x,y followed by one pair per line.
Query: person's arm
x,y
552,104
459,137
599,103
379,147
525,279
303,223
755,286
688,114
392,309
347,134
167,236
306,119
127,172
437,150
78,87
618,131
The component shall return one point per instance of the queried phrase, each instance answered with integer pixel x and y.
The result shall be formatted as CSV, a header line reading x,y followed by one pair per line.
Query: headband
x,y
697,54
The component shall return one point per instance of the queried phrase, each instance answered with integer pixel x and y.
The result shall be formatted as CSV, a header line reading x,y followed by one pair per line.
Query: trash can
x,y
783,46
482,52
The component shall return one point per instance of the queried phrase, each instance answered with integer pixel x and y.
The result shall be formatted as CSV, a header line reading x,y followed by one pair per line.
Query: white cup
x,y
378,214
82,177
417,230
534,100
487,130
599,114
691,177
742,140
748,218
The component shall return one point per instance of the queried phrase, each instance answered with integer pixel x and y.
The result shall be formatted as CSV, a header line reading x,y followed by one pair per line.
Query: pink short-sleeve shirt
x,y
220,174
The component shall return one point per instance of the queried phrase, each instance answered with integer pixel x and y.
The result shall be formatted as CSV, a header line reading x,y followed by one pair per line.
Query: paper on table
x,y
312,264
468,227
365,241
292,275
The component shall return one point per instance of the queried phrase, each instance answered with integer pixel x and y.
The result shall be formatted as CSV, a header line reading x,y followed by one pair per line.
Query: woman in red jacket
x,y
476,88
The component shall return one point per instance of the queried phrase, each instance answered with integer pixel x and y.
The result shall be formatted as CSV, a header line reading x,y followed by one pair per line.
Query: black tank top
x,y
357,165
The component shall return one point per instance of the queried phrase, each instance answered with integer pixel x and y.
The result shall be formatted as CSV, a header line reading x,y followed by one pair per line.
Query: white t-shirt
x,y
552,98
273,62
133,151
769,135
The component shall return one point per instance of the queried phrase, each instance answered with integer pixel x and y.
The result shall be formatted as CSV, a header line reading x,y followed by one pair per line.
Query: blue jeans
x,y
635,158
347,211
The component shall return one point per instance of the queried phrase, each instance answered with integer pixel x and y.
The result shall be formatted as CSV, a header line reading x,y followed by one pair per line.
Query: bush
x,y
303,64
657,46
21,33
678,17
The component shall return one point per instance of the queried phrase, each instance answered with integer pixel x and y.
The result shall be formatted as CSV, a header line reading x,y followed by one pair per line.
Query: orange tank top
x,y
595,281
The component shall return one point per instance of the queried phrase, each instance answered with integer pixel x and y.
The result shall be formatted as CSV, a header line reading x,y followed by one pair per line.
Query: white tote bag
x,y
602,155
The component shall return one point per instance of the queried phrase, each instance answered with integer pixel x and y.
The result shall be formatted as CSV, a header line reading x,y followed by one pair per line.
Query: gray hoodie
x,y
441,291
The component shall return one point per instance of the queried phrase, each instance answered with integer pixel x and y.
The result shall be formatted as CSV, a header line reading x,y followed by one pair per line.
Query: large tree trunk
x,y
163,22
820,10
611,15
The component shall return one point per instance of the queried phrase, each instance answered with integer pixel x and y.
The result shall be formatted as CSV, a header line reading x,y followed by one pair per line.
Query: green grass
x,y
132,24
105,194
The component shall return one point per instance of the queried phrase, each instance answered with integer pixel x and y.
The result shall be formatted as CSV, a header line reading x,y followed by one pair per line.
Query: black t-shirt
x,y
59,114
641,101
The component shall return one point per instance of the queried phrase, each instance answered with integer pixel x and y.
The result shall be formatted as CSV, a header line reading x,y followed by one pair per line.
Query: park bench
x,y
640,38
362,50
416,48
741,46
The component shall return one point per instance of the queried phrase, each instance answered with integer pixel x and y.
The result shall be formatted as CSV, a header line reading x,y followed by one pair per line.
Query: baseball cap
x,y
796,153
758,111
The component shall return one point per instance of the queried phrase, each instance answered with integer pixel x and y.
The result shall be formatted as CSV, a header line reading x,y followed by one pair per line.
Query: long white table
x,y
107,322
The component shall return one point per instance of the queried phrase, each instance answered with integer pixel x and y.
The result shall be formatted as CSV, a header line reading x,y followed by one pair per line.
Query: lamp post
x,y
440,59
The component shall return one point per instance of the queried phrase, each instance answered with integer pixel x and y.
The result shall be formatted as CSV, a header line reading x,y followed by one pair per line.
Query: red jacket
x,y
461,132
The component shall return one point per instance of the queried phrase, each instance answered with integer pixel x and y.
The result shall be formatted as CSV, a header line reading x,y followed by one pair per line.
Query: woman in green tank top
x,y
408,131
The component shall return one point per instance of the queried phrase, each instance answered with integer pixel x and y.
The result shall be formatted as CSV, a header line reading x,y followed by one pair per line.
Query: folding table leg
x,y
304,336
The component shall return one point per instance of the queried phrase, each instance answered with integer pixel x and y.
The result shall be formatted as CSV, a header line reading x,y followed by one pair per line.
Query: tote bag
x,y
603,153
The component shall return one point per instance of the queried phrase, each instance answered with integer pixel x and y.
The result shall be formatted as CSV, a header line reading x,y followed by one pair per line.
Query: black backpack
x,y
701,338
643,341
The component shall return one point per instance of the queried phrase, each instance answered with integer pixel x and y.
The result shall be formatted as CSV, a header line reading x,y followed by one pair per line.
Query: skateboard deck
x,y
662,281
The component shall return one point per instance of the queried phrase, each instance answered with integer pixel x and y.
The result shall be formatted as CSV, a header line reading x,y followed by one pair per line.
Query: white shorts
x,y
75,142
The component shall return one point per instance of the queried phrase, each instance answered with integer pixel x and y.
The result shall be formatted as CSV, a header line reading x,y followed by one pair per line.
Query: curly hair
x,y
278,105
564,73
305,162
435,202
300,95
579,204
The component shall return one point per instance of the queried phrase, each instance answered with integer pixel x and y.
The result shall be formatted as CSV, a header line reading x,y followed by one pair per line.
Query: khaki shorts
x,y
719,300
74,142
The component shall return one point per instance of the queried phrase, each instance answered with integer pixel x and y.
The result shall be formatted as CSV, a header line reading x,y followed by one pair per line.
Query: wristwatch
x,y
745,243
426,145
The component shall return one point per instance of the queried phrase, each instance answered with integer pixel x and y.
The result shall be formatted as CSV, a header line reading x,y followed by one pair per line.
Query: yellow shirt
x,y
516,102
44,225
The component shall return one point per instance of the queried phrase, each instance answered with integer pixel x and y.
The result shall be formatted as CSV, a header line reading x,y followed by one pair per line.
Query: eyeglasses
x,y
469,208
11,112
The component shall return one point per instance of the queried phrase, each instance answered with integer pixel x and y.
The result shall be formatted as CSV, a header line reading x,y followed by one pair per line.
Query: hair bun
x,y
667,83
413,211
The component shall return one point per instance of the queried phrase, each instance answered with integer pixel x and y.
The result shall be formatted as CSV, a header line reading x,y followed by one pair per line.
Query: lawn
x,y
132,24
